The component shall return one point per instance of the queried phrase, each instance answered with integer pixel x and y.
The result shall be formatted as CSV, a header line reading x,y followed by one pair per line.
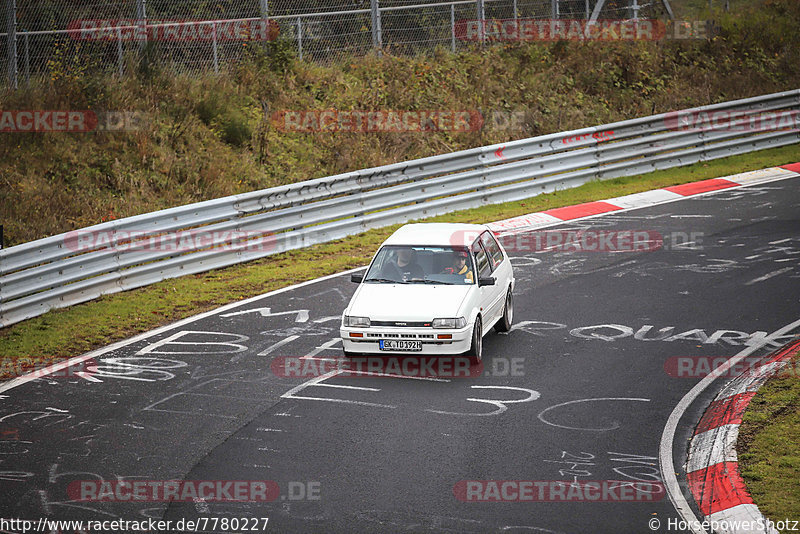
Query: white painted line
x,y
342,386
761,176
325,346
644,199
665,460
769,275
279,344
713,447
372,373
523,221
345,401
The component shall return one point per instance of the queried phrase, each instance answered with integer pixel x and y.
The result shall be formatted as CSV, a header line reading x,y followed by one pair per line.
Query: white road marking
x,y
373,373
302,315
325,346
280,343
603,399
665,460
342,386
769,275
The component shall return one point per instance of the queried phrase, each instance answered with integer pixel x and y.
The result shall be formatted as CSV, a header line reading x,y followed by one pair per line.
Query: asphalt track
x,y
199,400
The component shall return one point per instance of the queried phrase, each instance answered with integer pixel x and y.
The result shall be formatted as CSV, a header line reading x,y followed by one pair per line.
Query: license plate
x,y
390,344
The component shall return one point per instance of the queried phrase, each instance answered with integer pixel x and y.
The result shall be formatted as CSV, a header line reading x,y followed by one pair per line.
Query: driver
x,y
406,264
460,266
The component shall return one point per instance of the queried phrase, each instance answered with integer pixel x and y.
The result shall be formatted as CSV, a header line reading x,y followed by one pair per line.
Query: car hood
x,y
410,302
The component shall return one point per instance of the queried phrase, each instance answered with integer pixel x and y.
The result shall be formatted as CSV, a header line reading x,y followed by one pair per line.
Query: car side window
x,y
492,249
481,260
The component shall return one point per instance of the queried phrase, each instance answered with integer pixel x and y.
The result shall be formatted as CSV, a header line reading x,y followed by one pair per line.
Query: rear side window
x,y
492,249
482,262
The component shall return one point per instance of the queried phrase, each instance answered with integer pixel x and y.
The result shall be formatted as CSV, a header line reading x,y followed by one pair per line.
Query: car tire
x,y
475,352
504,323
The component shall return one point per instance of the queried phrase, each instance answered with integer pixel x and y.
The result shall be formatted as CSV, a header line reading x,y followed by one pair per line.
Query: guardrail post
x,y
11,30
453,27
377,36
214,46
300,37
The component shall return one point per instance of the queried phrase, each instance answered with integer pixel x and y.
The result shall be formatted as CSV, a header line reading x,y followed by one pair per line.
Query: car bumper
x,y
432,341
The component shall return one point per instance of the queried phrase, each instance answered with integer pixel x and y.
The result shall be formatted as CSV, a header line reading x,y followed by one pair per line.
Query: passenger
x,y
460,266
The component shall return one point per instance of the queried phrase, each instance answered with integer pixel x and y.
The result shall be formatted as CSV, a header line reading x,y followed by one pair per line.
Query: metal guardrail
x,y
59,271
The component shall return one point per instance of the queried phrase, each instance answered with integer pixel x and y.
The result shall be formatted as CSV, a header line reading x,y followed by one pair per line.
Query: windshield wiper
x,y
422,281
385,281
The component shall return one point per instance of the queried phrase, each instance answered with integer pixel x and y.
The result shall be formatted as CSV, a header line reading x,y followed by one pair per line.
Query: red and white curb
x,y
712,470
550,217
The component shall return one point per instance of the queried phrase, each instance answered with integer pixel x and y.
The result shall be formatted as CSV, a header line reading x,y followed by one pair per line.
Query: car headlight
x,y
360,322
450,322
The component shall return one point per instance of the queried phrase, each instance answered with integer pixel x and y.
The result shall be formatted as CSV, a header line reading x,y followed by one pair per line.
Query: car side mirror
x,y
488,281
357,278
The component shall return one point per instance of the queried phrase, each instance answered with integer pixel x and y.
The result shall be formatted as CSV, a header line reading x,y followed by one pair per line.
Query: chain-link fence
x,y
61,38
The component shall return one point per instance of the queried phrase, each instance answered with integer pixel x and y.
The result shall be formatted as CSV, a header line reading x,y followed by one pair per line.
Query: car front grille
x,y
402,324
403,335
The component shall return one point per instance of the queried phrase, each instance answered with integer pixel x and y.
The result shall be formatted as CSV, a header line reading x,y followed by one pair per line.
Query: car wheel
x,y
504,324
475,352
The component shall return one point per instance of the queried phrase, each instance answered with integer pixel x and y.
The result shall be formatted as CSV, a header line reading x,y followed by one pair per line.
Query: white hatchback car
x,y
432,288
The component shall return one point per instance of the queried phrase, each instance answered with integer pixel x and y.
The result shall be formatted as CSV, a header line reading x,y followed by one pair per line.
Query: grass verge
x,y
69,332
769,446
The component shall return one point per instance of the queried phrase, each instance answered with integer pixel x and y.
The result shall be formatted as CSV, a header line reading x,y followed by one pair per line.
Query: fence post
x,y
264,9
377,36
214,46
554,9
516,16
481,14
587,10
120,56
27,61
11,30
453,27
300,37
141,18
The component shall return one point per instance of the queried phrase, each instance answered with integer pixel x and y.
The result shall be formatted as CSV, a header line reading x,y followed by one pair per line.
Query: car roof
x,y
441,234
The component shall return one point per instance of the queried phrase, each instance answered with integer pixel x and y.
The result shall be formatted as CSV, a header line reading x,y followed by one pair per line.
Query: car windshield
x,y
400,264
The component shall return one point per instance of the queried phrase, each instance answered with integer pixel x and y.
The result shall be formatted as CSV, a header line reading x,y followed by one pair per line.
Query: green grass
x,y
68,332
769,446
